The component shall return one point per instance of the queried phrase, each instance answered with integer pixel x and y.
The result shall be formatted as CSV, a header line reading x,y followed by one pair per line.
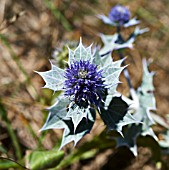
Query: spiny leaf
x,y
146,97
129,139
116,115
77,114
112,68
112,77
101,60
82,129
58,119
132,22
80,53
162,121
147,80
112,74
89,53
71,57
147,130
112,42
57,113
53,78
136,33
106,20
146,102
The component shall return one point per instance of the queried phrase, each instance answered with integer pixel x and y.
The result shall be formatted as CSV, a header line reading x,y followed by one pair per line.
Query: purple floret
x,y
84,84
119,14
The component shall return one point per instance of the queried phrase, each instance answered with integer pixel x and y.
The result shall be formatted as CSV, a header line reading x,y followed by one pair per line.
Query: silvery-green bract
x,y
116,42
89,86
144,103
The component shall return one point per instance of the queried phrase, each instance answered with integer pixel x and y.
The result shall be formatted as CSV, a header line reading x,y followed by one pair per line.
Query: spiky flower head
x,y
84,83
85,80
119,14
89,84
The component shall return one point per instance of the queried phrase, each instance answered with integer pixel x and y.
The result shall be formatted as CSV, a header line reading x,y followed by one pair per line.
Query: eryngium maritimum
x,y
87,79
119,14
84,83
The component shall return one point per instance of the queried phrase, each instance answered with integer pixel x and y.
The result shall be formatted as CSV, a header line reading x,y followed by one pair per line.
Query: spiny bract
x,y
85,81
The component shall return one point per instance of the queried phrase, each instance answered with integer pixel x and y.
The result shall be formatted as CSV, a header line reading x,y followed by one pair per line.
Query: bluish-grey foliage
x,y
107,20
116,115
115,42
130,136
145,102
53,78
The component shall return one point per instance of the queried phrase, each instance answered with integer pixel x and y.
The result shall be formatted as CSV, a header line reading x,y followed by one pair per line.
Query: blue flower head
x,y
119,14
84,83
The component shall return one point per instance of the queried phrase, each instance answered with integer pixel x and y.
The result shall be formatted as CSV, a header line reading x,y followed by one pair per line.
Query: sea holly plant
x,y
88,86
142,101
119,17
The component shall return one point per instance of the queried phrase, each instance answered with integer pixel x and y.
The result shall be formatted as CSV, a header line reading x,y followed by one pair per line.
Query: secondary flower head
x,y
84,83
119,14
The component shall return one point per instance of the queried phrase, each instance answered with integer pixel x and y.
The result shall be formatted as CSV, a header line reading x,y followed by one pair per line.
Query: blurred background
x,y
30,31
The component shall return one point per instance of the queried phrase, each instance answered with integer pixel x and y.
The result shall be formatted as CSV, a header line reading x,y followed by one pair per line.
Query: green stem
x,y
10,163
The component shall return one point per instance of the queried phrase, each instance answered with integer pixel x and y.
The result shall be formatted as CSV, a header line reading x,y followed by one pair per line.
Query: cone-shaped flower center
x,y
84,83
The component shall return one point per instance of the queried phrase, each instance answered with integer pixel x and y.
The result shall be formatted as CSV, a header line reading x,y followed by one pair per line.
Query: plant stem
x,y
10,163
121,55
126,73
